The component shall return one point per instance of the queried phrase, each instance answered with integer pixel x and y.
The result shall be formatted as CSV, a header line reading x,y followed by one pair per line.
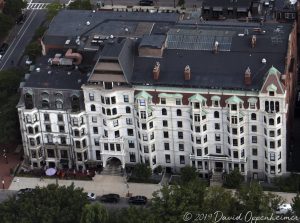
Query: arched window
x,y
271,121
59,96
278,120
253,116
45,95
164,111
58,104
179,113
75,103
45,104
128,109
216,114
93,108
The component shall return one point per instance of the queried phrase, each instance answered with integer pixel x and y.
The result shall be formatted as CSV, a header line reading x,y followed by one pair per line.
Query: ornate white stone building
x,y
153,89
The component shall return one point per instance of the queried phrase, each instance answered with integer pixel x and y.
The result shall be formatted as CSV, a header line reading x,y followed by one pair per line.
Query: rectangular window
x,y
146,149
117,134
163,101
234,131
105,146
180,135
98,155
254,151
179,124
130,143
61,128
235,142
254,164
145,137
181,147
272,156
242,141
218,149
144,126
48,128
199,152
142,102
198,140
113,100
46,117
254,139
91,96
178,101
132,157
95,130
217,126
197,118
254,128
272,144
233,107
115,123
167,146
143,115
126,98
150,125
235,154
233,119
96,141
272,133
182,159
168,158
217,137
94,119
165,123
130,132
166,134
128,121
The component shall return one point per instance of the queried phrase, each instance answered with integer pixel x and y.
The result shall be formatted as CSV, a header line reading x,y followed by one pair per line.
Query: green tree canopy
x,y
6,22
94,213
13,7
81,4
142,171
233,179
296,205
48,205
52,9
33,49
188,174
253,198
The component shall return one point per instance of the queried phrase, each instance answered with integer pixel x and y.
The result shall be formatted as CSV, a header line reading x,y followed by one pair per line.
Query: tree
x,y
6,23
296,205
252,198
131,215
94,213
188,174
81,4
33,49
13,7
47,205
52,9
233,179
181,3
142,172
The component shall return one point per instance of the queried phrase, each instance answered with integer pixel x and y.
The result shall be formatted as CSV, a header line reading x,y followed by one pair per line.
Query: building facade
x,y
156,98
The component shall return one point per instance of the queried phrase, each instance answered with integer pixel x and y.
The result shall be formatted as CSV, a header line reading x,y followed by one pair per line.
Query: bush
x,y
158,169
6,23
288,184
141,172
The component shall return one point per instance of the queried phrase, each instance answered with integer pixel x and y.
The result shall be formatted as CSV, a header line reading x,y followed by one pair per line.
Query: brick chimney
x,y
247,79
187,73
156,71
253,41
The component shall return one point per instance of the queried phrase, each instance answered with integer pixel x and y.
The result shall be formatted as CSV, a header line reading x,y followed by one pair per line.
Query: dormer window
x,y
178,101
234,103
142,102
252,103
271,89
215,101
271,93
163,101
233,107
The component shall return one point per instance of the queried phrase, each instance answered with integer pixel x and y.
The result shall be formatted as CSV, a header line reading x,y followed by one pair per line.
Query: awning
x,y
217,9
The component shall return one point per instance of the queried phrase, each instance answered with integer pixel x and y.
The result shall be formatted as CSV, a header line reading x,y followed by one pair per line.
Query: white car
x,y
284,209
91,196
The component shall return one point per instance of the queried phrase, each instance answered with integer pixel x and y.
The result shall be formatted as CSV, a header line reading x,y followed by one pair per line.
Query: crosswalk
x,y
36,6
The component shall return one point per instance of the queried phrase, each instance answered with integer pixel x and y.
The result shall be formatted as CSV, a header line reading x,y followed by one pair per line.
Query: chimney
x,y
247,79
187,73
156,71
216,47
253,41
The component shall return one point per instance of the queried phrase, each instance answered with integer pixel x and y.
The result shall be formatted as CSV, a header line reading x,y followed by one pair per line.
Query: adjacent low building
x,y
155,89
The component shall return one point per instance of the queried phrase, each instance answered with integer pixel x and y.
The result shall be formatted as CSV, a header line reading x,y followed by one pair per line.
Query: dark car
x,y
146,3
3,48
138,200
25,190
21,18
110,198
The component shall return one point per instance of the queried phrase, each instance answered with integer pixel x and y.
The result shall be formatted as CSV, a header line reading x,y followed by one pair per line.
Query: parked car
x,y
138,200
91,196
3,48
146,3
25,190
283,209
110,198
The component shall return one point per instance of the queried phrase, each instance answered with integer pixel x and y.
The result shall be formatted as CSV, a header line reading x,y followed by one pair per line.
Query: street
x,y
21,36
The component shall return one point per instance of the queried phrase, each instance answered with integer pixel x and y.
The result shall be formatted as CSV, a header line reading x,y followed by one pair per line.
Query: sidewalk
x,y
102,184
5,165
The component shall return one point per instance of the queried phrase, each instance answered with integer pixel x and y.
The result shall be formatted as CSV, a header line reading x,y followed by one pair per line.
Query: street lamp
x,y
3,184
6,159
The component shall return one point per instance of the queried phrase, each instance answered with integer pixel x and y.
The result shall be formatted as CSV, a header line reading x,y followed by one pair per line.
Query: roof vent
x,y
253,41
78,40
156,71
38,69
111,36
94,11
88,23
264,61
49,72
247,77
187,73
126,29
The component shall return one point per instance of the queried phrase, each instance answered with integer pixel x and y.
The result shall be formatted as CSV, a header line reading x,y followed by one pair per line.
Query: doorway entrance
x,y
218,166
